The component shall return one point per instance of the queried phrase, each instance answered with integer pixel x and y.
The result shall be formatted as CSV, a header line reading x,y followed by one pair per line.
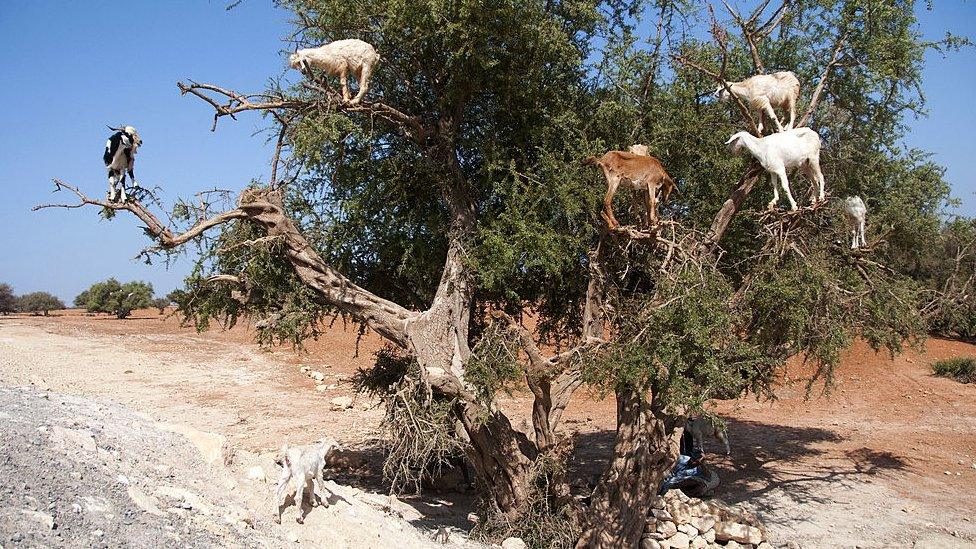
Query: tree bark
x,y
644,450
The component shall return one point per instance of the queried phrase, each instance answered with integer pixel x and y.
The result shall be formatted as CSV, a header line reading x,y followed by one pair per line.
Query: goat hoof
x,y
300,520
277,520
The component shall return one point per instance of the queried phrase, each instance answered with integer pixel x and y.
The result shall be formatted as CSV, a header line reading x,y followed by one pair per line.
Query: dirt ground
x,y
888,460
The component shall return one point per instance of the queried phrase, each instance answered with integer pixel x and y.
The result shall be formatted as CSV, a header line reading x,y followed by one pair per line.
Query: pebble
x,y
292,536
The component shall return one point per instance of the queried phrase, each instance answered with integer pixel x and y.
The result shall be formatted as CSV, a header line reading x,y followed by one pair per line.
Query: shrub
x,y
161,303
961,369
39,302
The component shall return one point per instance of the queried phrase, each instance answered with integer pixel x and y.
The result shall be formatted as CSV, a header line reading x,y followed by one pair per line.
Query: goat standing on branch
x,y
119,158
635,170
764,93
340,58
780,152
856,213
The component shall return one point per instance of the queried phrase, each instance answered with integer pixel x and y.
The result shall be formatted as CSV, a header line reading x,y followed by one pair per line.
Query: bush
x,y
119,299
39,302
961,369
8,301
161,303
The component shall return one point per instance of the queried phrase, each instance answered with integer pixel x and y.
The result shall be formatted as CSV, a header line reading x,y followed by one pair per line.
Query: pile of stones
x,y
681,522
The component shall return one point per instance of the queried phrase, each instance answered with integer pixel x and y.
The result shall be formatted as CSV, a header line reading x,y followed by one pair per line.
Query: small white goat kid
x,y
764,93
778,153
340,58
856,213
302,467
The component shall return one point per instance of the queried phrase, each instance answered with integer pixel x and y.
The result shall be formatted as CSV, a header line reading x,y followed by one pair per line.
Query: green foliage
x,y
961,369
115,298
161,303
81,300
494,362
8,301
38,302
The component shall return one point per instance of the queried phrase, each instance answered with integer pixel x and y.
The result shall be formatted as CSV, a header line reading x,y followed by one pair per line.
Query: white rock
x,y
703,523
144,501
741,533
667,528
305,369
43,518
292,536
764,545
661,514
679,541
688,529
341,403
658,501
514,543
733,545
257,473
698,543
648,543
98,533
316,375
321,388
709,536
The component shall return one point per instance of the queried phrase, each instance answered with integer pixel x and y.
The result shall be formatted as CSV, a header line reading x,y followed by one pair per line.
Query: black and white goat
x,y
120,157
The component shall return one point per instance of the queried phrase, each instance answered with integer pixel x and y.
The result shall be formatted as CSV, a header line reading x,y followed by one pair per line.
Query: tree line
x,y
109,296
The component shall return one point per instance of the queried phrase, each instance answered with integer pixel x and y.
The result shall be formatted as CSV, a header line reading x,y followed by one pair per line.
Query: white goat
x,y
302,467
700,427
764,93
856,213
780,152
340,58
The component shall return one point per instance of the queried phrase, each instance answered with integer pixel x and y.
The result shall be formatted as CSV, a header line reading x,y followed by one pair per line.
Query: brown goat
x,y
640,172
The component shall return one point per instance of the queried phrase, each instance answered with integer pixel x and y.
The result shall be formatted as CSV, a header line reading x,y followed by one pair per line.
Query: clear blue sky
x,y
70,68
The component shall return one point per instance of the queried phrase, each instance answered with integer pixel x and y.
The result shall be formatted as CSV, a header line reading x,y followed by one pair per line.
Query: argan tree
x,y
8,301
115,298
452,202
39,303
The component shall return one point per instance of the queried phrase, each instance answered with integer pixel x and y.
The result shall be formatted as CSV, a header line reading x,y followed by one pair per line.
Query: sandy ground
x,y
888,460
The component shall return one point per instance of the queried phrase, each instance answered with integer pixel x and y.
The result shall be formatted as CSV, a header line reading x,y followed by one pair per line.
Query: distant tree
x,y
8,301
161,303
81,300
119,299
39,302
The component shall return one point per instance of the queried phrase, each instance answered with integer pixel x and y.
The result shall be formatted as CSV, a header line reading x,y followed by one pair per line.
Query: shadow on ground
x,y
765,457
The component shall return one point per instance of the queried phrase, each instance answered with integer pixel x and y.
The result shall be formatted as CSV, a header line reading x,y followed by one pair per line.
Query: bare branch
x,y
821,86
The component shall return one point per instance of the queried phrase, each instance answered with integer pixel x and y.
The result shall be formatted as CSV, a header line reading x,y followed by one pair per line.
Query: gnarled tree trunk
x,y
644,450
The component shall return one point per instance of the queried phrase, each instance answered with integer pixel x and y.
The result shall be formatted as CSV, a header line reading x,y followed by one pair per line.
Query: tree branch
x,y
821,86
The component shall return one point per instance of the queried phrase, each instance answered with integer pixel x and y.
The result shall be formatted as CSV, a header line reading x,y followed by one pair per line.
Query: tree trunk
x,y
644,452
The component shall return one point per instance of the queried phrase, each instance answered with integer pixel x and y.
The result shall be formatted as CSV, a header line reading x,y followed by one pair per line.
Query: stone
x,y
703,523
679,541
257,473
741,533
321,388
709,536
733,545
698,543
514,543
658,501
341,403
316,375
661,514
292,536
688,529
764,545
305,369
667,528
650,524
144,501
210,445
648,543
43,518
682,512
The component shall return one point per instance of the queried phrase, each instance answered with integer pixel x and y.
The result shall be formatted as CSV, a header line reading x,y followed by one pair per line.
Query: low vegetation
x,y
39,303
961,369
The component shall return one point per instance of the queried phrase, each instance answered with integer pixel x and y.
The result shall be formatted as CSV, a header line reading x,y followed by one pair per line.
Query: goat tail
x,y
591,161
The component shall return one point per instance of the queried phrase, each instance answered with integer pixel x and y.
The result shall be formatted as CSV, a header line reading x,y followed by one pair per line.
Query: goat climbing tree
x,y
451,203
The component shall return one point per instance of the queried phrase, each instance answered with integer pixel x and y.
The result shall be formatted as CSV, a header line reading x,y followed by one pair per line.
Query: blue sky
x,y
70,68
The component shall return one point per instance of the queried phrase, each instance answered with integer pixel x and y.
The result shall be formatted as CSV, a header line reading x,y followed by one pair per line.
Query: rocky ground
x,y
886,461
81,473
